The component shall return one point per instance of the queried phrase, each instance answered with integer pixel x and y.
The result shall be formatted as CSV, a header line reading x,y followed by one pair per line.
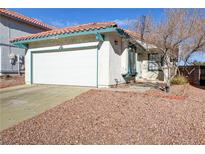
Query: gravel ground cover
x,y
12,80
110,117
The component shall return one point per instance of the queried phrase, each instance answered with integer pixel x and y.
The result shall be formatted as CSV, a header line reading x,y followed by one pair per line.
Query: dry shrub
x,y
179,80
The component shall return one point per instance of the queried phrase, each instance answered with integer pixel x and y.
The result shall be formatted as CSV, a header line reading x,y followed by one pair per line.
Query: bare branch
x,y
179,34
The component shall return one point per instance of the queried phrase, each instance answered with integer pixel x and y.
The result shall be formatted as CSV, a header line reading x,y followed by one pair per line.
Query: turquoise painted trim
x,y
97,32
14,46
31,68
5,44
21,45
99,37
89,32
97,68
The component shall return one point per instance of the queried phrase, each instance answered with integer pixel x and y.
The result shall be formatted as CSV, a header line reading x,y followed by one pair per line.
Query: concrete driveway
x,y
22,102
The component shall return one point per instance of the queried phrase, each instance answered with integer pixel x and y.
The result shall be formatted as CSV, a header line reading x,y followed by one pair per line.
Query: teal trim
x,y
99,37
97,67
97,32
31,68
59,50
14,46
21,45
5,44
88,32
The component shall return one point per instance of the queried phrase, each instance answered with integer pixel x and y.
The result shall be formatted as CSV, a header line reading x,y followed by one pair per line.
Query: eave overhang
x,y
65,35
97,32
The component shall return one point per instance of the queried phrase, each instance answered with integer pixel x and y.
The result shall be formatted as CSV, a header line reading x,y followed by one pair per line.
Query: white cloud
x,y
125,22
62,23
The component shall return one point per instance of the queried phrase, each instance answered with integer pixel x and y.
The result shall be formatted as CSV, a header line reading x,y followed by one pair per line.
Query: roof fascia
x,y
97,32
88,32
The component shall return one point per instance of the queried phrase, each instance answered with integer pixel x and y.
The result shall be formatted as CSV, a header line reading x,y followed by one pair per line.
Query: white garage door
x,y
65,67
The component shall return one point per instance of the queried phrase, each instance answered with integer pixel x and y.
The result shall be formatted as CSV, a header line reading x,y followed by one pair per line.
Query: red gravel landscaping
x,y
11,80
109,117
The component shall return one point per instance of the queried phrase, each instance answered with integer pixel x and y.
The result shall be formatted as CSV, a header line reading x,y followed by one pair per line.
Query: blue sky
x,y
68,17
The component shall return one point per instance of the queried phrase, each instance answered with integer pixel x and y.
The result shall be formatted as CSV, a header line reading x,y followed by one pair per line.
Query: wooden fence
x,y
195,74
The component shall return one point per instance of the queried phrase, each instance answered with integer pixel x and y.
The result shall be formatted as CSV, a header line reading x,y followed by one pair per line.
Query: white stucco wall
x,y
118,59
124,62
103,64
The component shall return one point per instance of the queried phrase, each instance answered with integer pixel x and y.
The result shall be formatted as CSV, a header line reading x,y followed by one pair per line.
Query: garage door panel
x,y
66,68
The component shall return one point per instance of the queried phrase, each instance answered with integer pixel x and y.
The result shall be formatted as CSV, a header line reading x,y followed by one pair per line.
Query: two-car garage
x,y
71,67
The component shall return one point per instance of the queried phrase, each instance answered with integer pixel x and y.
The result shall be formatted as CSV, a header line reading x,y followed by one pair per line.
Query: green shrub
x,y
179,80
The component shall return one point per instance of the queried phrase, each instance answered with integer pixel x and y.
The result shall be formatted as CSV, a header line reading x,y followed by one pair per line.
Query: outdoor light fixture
x,y
116,42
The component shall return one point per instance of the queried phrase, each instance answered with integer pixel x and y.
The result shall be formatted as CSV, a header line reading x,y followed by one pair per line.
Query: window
x,y
154,62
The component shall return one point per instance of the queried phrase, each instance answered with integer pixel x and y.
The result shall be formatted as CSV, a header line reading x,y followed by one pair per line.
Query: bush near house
x,y
179,80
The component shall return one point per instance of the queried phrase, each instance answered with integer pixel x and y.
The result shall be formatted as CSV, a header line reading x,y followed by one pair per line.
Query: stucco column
x,y
124,61
138,66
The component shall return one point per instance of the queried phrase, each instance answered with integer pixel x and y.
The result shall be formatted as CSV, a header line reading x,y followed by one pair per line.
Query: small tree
x,y
180,33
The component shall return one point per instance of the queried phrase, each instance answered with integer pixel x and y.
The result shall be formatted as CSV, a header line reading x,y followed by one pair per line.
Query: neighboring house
x,y
13,24
95,54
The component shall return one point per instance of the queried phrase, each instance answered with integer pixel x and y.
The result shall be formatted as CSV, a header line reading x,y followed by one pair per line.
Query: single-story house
x,y
13,24
95,54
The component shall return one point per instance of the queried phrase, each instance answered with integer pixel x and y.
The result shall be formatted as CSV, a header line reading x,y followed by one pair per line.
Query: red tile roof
x,y
133,34
83,27
26,19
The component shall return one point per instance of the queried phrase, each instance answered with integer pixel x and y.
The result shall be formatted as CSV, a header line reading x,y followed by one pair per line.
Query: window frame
x,y
155,61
